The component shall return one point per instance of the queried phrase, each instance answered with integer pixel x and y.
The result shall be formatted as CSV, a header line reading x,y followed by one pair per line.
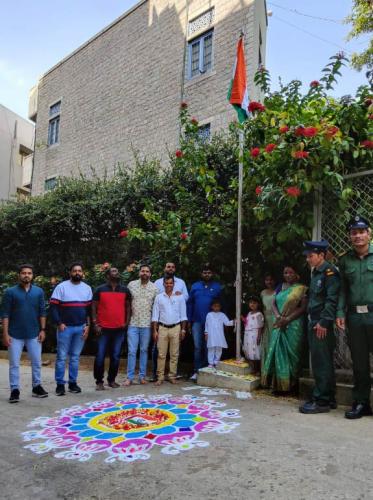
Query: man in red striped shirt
x,y
111,313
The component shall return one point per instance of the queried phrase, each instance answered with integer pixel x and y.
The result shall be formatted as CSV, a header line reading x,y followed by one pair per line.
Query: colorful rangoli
x,y
128,428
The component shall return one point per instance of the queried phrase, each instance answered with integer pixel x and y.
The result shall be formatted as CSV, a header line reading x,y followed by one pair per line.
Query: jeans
x,y
15,349
200,348
154,359
111,340
70,343
137,335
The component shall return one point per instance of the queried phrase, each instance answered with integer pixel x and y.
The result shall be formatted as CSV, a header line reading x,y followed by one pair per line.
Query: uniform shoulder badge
x,y
329,271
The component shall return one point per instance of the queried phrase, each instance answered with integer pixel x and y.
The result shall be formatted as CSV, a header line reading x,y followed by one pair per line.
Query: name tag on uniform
x,y
362,309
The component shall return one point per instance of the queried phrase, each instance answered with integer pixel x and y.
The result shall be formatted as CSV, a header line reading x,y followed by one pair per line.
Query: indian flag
x,y
238,94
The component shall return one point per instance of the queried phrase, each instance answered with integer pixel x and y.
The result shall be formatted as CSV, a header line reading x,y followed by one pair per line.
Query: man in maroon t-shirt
x,y
111,313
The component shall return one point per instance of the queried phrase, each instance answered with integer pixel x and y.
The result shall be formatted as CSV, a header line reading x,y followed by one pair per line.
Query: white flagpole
x,y
239,247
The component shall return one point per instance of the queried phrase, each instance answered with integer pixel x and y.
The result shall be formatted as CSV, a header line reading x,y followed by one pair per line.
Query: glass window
x,y
200,54
204,132
56,108
50,184
54,131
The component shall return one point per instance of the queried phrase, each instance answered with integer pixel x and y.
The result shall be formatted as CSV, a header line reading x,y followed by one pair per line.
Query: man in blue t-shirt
x,y
24,317
70,309
201,296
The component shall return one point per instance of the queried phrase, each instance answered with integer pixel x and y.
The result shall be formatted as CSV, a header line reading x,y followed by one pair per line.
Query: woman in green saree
x,y
282,364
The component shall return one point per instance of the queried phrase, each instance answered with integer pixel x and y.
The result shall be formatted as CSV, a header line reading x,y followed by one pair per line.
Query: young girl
x,y
214,332
254,323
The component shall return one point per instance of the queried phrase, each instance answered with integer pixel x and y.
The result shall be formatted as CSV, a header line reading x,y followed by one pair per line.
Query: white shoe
x,y
193,377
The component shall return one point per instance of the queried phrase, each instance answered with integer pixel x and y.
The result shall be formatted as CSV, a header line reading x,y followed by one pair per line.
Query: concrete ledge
x,y
343,393
216,378
233,366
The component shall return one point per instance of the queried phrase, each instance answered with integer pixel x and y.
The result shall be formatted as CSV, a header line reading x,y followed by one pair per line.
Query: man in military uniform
x,y
355,308
322,307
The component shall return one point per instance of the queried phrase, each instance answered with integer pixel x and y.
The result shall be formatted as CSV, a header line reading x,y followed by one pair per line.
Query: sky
x,y
36,35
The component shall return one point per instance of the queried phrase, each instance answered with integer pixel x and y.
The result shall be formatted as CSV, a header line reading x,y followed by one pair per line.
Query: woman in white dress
x,y
214,333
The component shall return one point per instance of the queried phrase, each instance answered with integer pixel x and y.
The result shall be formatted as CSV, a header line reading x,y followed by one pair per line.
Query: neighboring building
x,y
16,154
120,92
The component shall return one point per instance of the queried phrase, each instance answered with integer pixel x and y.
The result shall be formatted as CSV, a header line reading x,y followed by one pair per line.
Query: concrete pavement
x,y
275,453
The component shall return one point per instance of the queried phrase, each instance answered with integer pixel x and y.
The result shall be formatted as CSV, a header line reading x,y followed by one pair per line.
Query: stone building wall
x,y
120,92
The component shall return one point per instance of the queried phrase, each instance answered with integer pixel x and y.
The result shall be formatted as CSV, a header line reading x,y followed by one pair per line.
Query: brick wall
x,y
121,91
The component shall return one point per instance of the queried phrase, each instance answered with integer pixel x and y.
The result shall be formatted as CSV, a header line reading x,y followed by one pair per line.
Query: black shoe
x,y
359,410
73,387
333,404
311,407
14,396
60,390
39,392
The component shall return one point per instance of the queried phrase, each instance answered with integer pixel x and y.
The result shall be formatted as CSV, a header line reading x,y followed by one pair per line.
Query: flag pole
x,y
239,247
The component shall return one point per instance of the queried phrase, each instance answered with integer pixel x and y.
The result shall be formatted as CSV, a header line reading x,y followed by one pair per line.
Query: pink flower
x,y
283,129
300,154
270,147
256,106
370,117
315,83
255,152
179,154
184,236
293,191
123,233
367,144
258,190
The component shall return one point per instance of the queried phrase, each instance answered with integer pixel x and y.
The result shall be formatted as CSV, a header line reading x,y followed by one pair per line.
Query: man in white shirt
x,y
169,327
180,288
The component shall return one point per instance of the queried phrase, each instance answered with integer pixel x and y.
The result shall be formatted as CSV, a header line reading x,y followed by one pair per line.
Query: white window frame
x,y
200,39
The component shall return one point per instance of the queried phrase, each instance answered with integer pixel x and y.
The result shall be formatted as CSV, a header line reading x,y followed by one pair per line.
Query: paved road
x,y
276,453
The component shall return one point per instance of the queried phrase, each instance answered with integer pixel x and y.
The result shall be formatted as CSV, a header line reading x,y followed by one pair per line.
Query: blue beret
x,y
315,246
357,222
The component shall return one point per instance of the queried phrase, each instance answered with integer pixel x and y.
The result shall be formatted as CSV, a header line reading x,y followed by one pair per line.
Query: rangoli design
x,y
128,428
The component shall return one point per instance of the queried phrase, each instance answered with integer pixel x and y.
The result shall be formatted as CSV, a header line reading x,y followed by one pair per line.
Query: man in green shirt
x,y
322,307
355,310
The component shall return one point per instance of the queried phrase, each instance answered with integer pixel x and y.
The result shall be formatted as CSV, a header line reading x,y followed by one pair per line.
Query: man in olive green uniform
x,y
322,308
355,309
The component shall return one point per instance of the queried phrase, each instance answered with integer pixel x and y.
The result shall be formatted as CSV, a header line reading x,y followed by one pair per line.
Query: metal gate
x,y
333,229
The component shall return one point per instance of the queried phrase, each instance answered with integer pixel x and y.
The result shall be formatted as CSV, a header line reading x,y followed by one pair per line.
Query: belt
x,y
169,326
361,309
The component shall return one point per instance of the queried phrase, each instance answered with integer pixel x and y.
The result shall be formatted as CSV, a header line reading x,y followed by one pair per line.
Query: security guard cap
x,y
357,222
315,246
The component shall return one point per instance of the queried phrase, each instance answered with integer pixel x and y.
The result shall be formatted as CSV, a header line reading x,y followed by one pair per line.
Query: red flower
x,y
183,105
331,131
299,131
293,191
184,236
270,147
123,233
367,144
179,154
258,190
309,131
368,101
194,121
370,117
255,152
283,129
315,83
255,106
300,154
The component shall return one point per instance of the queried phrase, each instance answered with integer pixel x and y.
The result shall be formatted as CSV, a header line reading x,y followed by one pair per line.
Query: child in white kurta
x,y
214,333
254,323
